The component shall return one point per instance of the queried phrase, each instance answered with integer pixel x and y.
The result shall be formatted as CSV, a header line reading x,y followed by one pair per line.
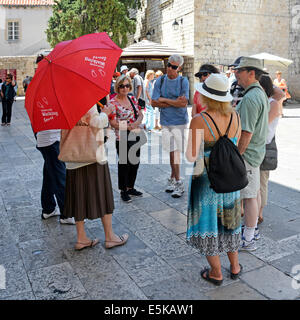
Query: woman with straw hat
x,y
209,212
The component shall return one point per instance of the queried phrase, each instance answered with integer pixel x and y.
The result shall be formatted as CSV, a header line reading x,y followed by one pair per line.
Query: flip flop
x,y
90,244
235,276
205,275
111,244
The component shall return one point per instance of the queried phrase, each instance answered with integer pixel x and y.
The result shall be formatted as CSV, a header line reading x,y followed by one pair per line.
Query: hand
x,y
182,98
108,109
123,125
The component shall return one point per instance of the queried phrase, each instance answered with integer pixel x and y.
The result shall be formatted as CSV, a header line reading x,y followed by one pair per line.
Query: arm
x,y
244,141
147,93
194,140
274,111
139,92
138,121
180,102
278,94
159,104
97,120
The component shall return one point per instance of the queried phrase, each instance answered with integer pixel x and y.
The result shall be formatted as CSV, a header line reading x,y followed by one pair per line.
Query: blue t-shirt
x,y
172,89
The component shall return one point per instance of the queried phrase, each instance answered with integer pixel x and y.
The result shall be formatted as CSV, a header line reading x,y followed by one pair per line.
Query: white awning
x,y
271,59
149,49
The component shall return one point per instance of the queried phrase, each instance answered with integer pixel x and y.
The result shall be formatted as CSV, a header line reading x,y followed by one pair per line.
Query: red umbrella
x,y
70,80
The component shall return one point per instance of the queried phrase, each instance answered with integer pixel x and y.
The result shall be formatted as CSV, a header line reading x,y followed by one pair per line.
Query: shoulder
x,y
197,122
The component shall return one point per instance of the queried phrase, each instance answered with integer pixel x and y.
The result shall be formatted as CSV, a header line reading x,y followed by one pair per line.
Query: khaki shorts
x,y
264,178
174,137
253,175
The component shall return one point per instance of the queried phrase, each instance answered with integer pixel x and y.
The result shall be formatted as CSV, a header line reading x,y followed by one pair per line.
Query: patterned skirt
x,y
214,219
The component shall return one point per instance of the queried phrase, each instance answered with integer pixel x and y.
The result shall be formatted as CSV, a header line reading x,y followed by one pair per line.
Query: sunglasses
x,y
203,74
170,65
240,70
122,86
8,78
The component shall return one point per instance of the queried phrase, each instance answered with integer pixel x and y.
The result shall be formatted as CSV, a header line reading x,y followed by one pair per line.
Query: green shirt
x,y
254,112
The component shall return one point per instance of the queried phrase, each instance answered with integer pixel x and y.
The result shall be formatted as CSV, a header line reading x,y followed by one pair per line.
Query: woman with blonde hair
x,y
126,118
149,121
214,219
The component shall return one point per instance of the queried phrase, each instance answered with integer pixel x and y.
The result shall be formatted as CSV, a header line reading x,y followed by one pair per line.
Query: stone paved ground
x,y
40,262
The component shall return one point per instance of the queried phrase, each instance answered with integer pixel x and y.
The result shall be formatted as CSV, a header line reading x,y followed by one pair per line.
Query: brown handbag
x,y
79,144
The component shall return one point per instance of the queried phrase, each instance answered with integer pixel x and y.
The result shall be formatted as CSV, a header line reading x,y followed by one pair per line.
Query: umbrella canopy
x,y
149,49
271,59
70,80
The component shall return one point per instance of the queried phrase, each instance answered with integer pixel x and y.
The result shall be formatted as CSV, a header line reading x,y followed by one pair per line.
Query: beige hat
x,y
249,62
215,87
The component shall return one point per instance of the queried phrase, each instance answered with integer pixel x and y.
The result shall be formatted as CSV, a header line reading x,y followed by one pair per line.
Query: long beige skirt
x,y
88,192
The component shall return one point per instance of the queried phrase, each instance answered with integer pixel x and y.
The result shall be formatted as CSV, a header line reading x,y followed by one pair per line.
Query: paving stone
x,y
56,282
115,285
22,296
41,253
287,263
246,259
16,278
135,219
269,250
263,280
164,242
171,219
30,229
149,204
273,227
235,291
90,261
144,267
175,288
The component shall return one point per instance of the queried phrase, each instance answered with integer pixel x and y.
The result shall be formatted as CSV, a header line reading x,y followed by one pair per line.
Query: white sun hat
x,y
215,87
123,68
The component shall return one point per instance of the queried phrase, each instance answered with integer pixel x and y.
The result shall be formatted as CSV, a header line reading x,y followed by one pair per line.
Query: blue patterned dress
x,y
214,219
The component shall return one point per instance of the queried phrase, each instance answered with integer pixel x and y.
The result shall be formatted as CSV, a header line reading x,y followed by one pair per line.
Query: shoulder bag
x,y
79,144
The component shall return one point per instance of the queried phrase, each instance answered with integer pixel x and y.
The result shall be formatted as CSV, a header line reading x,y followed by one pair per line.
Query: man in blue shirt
x,y
171,94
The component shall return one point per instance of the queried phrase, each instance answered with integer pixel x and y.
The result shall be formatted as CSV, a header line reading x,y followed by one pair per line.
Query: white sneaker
x,y
171,185
67,221
49,215
179,189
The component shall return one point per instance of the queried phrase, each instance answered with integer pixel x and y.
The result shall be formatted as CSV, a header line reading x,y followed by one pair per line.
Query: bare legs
x,y
175,164
107,226
215,264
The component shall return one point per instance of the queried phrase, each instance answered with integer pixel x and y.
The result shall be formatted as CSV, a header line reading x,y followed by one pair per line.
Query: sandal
x,y
205,275
90,244
111,244
235,276
260,220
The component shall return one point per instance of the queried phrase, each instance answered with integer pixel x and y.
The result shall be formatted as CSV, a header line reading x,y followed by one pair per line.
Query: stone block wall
x,y
219,31
294,49
225,30
24,65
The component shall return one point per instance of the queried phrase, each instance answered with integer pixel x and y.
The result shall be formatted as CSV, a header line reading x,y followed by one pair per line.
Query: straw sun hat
x,y
215,87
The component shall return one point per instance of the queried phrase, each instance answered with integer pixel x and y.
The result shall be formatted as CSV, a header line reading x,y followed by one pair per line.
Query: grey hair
x,y
176,58
134,70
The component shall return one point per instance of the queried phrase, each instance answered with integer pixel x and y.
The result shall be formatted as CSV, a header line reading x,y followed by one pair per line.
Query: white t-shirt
x,y
47,137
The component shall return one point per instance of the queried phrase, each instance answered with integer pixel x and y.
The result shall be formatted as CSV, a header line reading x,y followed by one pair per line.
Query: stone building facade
x,y
217,32
20,67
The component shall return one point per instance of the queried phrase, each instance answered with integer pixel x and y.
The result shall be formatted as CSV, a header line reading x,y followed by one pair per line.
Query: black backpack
x,y
227,170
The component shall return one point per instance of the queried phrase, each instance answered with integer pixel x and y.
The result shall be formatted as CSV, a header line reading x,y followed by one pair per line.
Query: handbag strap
x,y
133,107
